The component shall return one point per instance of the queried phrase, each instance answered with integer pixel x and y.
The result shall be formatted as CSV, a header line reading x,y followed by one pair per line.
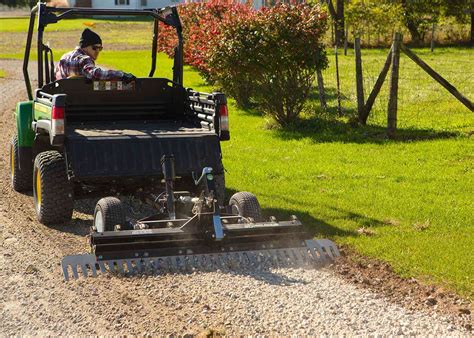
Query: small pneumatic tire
x,y
109,212
21,179
52,192
246,204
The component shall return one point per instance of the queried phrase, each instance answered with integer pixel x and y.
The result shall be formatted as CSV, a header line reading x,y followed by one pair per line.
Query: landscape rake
x,y
194,233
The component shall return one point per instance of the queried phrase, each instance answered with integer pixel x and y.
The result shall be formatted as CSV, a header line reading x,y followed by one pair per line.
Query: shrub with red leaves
x,y
268,57
271,57
202,23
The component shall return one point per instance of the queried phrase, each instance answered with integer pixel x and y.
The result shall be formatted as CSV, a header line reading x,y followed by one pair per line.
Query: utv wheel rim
x,y
98,221
38,189
12,161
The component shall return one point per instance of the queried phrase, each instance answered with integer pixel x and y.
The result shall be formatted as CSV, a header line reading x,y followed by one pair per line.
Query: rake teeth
x,y
313,253
86,263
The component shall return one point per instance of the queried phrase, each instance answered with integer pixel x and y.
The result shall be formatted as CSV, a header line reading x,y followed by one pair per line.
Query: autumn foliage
x,y
202,25
267,57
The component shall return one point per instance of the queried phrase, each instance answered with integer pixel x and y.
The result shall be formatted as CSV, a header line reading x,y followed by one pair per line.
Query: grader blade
x,y
309,253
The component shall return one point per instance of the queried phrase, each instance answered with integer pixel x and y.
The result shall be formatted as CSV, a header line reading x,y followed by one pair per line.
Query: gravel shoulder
x,y
36,300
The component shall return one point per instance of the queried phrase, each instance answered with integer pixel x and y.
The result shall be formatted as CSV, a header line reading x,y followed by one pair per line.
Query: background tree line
x,y
382,16
18,3
377,17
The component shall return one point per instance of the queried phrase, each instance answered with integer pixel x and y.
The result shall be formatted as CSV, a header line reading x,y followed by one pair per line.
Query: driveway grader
x,y
152,139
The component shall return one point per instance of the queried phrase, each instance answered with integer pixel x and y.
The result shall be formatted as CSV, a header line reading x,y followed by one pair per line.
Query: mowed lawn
x,y
413,195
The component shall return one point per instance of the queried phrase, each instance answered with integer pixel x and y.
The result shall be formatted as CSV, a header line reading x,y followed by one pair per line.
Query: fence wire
x,y
422,102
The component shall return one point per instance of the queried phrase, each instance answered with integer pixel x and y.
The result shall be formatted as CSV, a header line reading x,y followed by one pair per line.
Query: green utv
x,y
151,139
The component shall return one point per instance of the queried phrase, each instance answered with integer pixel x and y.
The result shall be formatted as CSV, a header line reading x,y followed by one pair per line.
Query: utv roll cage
x,y
50,15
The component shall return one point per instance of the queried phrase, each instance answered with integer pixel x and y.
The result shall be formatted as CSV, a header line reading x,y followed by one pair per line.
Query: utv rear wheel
x,y
21,179
52,191
246,204
109,212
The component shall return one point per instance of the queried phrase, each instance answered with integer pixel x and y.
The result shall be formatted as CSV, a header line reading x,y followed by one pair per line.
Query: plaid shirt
x,y
78,63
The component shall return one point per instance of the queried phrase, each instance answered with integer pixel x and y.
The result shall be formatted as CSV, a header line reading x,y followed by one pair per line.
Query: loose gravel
x,y
36,301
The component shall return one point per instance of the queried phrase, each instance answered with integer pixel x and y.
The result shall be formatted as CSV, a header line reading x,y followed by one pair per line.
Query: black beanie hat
x,y
89,38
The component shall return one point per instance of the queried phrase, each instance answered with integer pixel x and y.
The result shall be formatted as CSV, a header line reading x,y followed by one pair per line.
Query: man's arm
x,y
90,71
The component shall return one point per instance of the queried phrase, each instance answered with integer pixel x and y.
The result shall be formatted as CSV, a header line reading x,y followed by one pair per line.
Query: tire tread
x,y
57,200
248,204
22,179
113,212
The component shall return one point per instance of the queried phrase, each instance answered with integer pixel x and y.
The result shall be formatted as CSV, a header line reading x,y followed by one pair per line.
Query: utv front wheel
x,y
109,212
246,204
21,179
52,191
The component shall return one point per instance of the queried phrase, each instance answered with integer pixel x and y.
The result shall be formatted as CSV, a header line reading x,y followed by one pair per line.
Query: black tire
x,y
52,192
108,213
246,204
21,179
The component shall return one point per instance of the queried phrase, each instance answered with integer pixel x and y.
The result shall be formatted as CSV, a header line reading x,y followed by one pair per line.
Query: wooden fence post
x,y
359,78
375,91
339,108
322,92
393,96
432,37
345,38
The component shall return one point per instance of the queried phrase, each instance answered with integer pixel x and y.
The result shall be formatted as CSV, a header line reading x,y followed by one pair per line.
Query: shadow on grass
x,y
327,129
331,95
360,219
315,227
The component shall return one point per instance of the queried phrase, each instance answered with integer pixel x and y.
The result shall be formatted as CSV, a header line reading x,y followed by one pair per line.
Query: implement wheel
x,y
21,179
52,191
109,212
246,205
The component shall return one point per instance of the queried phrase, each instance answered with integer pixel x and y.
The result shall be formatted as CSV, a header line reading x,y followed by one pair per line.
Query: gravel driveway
x,y
36,300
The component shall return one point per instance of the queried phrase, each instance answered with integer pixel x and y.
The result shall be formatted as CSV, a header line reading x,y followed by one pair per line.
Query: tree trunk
x,y
340,23
411,24
337,15
414,32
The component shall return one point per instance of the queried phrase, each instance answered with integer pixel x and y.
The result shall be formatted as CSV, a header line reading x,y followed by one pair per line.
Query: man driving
x,y
81,61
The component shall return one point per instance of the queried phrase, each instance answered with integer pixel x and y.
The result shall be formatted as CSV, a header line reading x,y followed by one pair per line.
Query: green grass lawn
x,y
21,24
414,193
65,35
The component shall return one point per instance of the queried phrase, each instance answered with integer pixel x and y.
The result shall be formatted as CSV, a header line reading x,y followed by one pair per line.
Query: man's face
x,y
93,51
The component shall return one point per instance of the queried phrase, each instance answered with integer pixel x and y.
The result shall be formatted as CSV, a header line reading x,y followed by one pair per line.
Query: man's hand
x,y
128,77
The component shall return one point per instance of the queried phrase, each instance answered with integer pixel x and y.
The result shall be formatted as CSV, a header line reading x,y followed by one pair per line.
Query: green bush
x,y
271,57
379,18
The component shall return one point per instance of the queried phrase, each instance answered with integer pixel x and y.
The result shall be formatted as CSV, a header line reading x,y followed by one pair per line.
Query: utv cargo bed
x,y
135,150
